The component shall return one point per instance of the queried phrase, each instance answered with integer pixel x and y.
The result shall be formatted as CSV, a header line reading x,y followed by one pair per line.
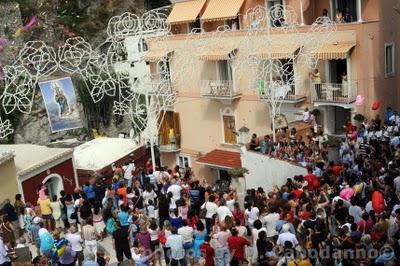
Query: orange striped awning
x,y
278,52
157,54
334,51
222,10
185,12
218,54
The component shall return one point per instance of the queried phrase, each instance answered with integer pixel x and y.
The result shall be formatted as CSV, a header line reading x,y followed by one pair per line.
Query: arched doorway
x,y
54,184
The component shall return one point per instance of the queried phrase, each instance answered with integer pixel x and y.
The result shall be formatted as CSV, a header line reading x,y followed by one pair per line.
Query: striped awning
x,y
218,54
185,12
157,54
334,51
278,52
222,10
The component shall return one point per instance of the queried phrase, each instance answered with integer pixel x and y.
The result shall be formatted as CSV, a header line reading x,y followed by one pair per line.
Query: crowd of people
x,y
340,213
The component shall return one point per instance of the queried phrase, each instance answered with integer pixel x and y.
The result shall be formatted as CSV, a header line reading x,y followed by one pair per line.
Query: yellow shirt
x,y
45,208
299,262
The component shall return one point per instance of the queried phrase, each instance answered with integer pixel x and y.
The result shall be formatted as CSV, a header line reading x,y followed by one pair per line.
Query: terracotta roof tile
x,y
221,158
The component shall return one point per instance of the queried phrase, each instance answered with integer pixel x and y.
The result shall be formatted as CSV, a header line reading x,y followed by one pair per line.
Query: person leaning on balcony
x,y
316,80
345,85
339,16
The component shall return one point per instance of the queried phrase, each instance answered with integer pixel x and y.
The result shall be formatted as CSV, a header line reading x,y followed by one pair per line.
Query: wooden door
x,y
229,129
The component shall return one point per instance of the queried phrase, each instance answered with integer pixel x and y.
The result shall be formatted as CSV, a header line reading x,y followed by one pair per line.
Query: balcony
x,y
291,96
334,93
169,148
219,89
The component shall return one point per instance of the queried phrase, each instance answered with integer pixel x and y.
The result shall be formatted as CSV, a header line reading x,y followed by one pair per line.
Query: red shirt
x,y
207,252
239,215
337,170
297,193
313,182
236,245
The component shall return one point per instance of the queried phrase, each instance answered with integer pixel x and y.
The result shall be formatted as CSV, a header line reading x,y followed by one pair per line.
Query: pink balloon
x,y
359,100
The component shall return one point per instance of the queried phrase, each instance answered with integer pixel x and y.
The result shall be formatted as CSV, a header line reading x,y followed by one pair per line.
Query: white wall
x,y
266,172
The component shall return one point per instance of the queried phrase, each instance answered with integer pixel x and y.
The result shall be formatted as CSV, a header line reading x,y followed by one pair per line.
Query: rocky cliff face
x,y
34,127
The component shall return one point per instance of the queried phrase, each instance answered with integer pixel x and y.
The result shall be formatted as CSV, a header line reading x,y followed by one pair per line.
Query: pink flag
x,y
31,23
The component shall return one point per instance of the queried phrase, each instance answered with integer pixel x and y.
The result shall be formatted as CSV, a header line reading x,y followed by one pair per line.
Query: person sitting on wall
x,y
254,143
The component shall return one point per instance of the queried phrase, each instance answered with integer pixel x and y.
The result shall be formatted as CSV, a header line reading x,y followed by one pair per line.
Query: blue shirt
x,y
90,263
123,218
89,192
279,225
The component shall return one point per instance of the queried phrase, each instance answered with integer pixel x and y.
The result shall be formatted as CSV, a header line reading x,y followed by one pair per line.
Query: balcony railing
x,y
291,96
344,93
218,89
172,146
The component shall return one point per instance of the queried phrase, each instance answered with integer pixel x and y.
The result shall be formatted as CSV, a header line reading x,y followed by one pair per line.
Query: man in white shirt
x,y
74,237
175,189
269,222
223,211
211,209
128,169
287,236
175,243
186,232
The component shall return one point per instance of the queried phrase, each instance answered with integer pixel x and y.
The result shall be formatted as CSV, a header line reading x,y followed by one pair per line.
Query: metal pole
x,y
153,157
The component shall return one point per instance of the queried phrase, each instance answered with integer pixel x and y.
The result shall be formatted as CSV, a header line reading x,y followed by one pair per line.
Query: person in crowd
x,y
89,235
177,251
121,244
237,245
207,252
76,242
56,211
211,209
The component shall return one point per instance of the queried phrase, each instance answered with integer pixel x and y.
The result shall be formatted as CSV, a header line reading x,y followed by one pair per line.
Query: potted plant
x,y
359,118
238,172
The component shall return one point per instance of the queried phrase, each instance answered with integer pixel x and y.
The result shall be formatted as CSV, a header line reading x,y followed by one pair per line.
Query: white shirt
x,y
356,212
396,182
270,223
148,196
252,215
282,238
128,171
3,252
153,234
175,190
211,208
75,240
187,233
222,212
306,116
230,204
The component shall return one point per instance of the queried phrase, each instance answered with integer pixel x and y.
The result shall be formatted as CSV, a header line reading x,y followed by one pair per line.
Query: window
x,y
389,59
224,70
183,160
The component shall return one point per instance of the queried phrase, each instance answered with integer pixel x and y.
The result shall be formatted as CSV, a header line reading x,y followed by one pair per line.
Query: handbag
x,y
203,212
73,216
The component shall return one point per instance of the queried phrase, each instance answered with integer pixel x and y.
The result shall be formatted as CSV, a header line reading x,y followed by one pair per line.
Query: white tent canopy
x,y
102,152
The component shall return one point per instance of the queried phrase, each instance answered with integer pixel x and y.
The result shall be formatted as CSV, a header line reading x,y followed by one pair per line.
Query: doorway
x,y
336,69
54,185
229,129
342,116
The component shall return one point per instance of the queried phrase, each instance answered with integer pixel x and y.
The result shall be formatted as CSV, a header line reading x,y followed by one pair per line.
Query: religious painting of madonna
x,y
60,101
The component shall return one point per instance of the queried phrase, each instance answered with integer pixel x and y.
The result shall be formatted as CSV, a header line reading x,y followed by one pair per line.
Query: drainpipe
x,y
302,12
359,11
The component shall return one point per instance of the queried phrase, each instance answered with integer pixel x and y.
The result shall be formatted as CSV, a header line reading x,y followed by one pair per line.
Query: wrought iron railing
x,y
344,93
